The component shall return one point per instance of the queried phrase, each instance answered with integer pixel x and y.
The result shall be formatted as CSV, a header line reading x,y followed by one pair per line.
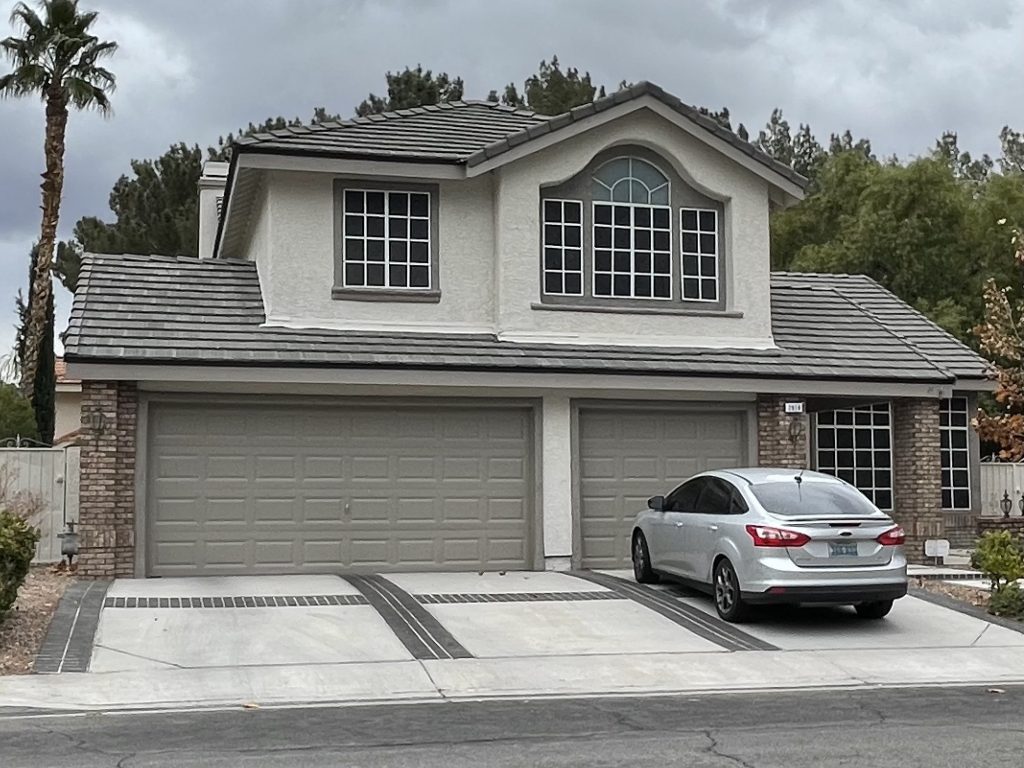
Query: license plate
x,y
842,549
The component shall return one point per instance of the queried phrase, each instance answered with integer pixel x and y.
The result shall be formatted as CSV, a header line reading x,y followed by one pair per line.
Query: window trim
x,y
340,290
946,407
682,195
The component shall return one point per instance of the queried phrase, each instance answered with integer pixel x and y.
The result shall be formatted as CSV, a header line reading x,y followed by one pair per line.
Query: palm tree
x,y
57,58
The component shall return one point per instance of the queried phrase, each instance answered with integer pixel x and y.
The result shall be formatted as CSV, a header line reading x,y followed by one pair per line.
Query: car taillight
x,y
764,536
894,537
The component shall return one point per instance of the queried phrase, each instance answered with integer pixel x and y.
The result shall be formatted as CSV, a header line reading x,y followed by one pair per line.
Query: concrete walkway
x,y
270,641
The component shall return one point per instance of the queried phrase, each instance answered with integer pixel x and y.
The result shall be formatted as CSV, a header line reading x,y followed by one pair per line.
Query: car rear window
x,y
806,499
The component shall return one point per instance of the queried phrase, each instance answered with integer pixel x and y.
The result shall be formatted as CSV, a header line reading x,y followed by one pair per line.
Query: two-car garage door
x,y
290,489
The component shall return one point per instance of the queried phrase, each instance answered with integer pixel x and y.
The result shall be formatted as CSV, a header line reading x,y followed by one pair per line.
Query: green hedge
x,y
18,542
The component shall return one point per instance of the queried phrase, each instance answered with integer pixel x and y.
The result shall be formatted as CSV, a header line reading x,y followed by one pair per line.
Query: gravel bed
x,y
976,596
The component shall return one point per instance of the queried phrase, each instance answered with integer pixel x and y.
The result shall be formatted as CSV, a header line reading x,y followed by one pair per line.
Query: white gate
x,y
998,478
50,475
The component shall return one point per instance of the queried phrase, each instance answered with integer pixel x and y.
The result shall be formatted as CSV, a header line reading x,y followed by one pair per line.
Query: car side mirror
x,y
657,503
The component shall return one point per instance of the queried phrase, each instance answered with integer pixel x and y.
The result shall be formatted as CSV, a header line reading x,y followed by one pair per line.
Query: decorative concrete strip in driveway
x,y
67,646
518,597
254,601
711,628
421,634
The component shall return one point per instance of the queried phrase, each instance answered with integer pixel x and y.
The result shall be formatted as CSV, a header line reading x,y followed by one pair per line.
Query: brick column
x,y
917,472
781,437
106,515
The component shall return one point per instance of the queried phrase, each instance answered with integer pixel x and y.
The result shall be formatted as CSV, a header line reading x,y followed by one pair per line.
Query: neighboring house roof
x,y
61,374
181,310
470,132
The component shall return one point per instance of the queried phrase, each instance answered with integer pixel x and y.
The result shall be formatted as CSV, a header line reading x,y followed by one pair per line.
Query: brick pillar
x,y
781,437
917,472
106,514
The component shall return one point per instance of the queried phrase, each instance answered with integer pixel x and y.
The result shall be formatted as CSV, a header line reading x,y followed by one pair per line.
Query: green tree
x,y
905,226
44,393
156,209
413,88
808,155
16,416
775,139
1012,144
551,91
963,166
56,58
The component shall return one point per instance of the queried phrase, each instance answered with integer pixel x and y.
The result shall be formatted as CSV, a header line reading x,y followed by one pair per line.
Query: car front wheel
x,y
642,570
728,601
877,609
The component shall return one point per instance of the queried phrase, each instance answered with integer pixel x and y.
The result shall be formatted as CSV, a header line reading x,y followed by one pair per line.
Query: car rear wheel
x,y
642,570
728,600
876,609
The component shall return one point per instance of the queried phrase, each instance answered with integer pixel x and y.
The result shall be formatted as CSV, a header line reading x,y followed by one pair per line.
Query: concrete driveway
x,y
218,641
253,621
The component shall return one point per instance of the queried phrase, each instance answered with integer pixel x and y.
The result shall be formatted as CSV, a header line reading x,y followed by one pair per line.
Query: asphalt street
x,y
933,727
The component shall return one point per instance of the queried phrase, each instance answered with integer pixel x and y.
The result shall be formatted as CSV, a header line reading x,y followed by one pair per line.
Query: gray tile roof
x,y
157,309
470,132
935,343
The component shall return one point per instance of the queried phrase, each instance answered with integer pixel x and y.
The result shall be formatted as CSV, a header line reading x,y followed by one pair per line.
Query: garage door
x,y
628,456
290,489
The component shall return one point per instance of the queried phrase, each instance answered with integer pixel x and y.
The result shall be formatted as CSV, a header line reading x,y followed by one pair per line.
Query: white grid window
x,y
956,454
855,445
563,247
699,249
386,237
632,251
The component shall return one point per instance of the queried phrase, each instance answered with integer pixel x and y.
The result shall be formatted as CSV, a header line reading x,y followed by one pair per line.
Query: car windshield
x,y
812,499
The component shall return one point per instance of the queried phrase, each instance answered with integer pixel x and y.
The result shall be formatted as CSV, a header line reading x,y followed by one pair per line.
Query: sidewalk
x,y
657,673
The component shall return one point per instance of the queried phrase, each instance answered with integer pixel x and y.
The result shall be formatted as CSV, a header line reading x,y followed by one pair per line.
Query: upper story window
x,y
386,241
627,229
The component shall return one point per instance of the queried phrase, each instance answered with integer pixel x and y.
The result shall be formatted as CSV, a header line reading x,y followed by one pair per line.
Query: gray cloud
x,y
191,70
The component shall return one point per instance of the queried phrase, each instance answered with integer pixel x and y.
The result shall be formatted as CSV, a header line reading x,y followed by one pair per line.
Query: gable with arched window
x,y
627,229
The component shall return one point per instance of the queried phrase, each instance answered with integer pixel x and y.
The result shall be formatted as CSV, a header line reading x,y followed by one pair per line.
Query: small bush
x,y
1007,601
18,542
999,557
16,415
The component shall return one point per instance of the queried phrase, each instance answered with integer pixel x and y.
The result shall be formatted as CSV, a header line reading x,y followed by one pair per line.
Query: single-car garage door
x,y
270,488
627,456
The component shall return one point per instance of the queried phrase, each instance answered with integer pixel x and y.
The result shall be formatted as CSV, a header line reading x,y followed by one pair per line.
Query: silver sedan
x,y
760,536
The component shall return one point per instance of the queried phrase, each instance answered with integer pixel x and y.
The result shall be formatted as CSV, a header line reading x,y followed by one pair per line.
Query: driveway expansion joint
x,y
417,629
711,628
68,644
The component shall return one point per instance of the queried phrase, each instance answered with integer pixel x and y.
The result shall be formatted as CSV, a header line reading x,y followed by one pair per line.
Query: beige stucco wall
x,y
68,412
297,283
489,230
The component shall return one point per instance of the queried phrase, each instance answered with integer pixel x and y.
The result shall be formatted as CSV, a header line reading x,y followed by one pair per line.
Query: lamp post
x,y
1006,504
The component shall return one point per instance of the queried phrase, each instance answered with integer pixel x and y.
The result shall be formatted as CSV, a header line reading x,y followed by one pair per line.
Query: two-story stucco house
x,y
471,337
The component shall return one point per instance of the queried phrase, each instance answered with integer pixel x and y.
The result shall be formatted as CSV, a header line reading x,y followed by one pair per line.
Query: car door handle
x,y
679,525
712,527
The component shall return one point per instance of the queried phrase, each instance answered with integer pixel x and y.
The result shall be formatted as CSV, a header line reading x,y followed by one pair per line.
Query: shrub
x,y
1007,601
17,548
999,557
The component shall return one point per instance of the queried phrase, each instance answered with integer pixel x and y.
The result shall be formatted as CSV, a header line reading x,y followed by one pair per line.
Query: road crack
x,y
713,749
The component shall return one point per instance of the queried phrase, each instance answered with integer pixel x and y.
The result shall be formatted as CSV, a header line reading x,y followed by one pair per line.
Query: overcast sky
x,y
191,70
